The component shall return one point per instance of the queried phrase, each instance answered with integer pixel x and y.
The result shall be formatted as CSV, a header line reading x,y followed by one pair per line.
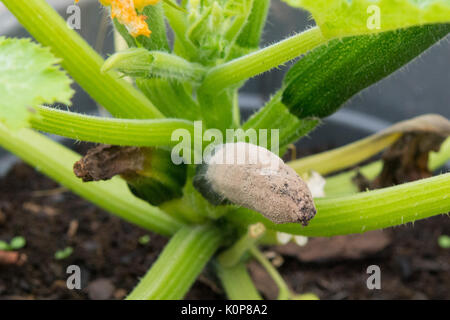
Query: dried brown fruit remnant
x,y
407,159
106,161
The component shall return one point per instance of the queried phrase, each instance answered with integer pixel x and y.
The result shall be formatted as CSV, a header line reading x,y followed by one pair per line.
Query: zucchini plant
x,y
187,89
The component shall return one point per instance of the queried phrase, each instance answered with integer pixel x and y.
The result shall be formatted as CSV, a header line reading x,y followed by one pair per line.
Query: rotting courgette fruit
x,y
149,172
160,180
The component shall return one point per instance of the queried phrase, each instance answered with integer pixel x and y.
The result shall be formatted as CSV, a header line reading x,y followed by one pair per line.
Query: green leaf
x,y
444,242
28,77
339,18
63,254
320,83
17,243
145,239
4,246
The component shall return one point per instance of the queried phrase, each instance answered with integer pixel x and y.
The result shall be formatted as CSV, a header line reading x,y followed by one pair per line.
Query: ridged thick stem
x,y
124,132
180,263
237,283
367,211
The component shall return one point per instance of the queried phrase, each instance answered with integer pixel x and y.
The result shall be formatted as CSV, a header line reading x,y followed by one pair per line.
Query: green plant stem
x,y
57,161
438,159
284,293
344,157
239,22
342,183
180,209
260,61
250,35
179,264
177,21
123,132
81,61
171,97
138,62
233,255
366,211
275,116
237,282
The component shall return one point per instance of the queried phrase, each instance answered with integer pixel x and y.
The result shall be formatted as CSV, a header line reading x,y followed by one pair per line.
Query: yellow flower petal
x,y
125,12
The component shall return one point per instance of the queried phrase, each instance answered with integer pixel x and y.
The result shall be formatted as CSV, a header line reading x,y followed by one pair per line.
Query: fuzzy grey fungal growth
x,y
253,177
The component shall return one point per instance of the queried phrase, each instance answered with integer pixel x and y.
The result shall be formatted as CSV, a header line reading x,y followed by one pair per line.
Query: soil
x,y
112,259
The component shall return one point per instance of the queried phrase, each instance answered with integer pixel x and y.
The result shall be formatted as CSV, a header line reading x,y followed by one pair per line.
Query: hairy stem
x,y
81,61
275,116
179,264
260,61
154,64
56,161
366,211
124,132
250,35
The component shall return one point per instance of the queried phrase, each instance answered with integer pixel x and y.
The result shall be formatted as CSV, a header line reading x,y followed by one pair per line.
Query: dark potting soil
x,y
112,259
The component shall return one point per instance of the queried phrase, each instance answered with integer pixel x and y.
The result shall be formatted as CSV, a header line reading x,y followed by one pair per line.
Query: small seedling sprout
x,y
63,254
16,243
444,242
4,245
145,239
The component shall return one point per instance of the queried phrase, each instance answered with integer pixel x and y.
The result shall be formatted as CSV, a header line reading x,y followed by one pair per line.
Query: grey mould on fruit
x,y
253,177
